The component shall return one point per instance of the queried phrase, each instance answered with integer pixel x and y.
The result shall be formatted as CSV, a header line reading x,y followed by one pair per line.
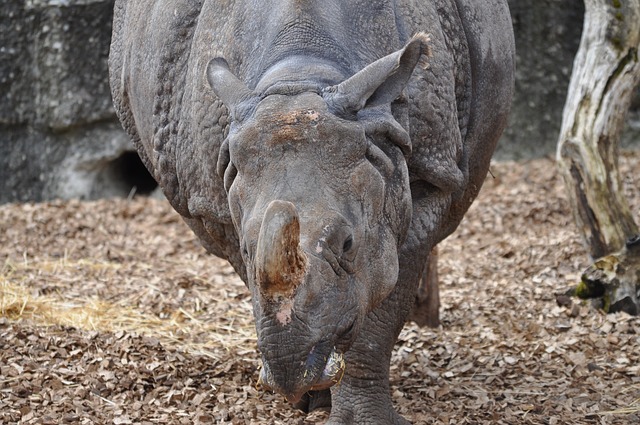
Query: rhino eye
x,y
348,244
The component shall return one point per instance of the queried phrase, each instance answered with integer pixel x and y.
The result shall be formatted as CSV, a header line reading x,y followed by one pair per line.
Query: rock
x,y
59,137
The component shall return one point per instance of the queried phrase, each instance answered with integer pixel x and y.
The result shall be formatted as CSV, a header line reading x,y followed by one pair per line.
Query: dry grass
x,y
19,303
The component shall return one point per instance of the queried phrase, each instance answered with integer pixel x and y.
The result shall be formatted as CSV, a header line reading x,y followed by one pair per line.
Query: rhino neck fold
x,y
297,74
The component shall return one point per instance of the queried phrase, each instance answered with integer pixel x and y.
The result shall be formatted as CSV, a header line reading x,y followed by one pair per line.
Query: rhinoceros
x,y
322,148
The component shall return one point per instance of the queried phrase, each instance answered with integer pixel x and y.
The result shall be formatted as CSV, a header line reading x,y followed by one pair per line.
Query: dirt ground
x,y
111,313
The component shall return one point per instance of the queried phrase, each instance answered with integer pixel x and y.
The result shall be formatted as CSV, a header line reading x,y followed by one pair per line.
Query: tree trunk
x,y
606,71
426,309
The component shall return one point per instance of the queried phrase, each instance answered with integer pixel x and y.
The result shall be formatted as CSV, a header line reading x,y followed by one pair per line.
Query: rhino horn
x,y
381,82
280,262
229,88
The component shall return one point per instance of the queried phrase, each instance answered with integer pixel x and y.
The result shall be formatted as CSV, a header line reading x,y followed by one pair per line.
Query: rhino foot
x,y
367,414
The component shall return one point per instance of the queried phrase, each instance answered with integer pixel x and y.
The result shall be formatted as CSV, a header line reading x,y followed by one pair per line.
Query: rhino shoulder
x,y
176,124
148,64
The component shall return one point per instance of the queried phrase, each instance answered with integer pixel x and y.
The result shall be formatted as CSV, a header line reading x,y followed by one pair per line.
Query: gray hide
x,y
323,149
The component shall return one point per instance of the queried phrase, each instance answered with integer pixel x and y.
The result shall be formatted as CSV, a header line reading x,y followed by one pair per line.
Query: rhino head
x,y
318,190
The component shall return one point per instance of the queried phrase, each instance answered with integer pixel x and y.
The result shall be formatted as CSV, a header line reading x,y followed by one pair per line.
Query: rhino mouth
x,y
321,371
332,371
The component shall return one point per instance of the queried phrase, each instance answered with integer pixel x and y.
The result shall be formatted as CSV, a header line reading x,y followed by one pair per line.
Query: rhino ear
x,y
380,82
231,91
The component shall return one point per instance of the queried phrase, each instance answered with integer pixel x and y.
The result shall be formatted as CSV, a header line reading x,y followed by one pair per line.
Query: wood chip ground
x,y
111,313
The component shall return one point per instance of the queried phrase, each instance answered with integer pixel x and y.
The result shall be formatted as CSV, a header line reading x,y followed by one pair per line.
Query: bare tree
x,y
605,74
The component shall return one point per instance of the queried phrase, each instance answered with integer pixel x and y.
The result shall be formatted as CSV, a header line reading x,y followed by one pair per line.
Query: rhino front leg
x,y
363,396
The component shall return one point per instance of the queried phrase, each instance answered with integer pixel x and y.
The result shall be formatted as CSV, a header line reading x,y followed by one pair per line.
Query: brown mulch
x,y
111,313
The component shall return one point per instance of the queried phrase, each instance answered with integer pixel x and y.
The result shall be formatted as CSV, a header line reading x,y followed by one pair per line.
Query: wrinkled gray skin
x,y
320,149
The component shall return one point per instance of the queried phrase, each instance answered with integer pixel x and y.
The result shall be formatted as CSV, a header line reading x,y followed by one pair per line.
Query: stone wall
x,y
59,136
547,37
